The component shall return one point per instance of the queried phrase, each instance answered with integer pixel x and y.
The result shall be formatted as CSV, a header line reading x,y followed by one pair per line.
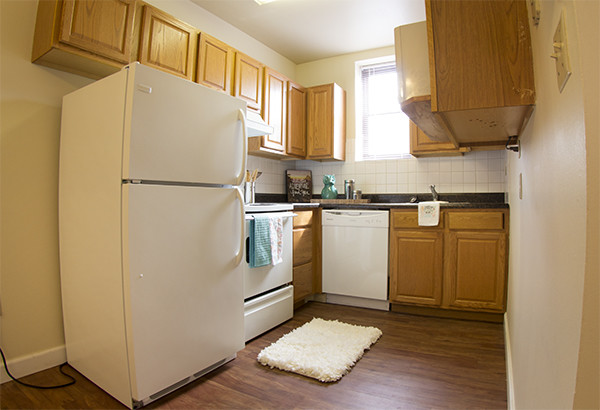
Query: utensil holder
x,y
249,192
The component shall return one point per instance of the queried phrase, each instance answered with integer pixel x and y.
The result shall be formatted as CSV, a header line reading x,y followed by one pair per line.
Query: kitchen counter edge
x,y
400,205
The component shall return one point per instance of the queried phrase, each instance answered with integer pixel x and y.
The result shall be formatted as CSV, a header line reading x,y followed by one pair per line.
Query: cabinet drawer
x,y
410,219
476,220
304,218
303,281
303,245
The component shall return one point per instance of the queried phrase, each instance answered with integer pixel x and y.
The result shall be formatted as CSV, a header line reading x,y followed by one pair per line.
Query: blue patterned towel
x,y
260,241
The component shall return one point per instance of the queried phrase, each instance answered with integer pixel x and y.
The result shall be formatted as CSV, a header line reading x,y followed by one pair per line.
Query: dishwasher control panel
x,y
357,218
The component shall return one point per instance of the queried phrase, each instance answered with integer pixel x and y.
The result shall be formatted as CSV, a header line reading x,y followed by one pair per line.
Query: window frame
x,y
360,84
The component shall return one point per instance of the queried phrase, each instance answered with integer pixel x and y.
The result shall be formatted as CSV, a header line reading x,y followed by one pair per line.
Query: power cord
x,y
39,387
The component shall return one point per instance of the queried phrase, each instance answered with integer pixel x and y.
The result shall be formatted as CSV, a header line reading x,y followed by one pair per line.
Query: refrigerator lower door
x,y
183,282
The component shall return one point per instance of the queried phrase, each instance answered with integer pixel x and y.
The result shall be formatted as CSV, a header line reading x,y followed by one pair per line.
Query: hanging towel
x,y
429,213
276,233
260,242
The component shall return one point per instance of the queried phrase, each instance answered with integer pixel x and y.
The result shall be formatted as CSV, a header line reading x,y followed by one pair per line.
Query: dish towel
x,y
260,241
276,234
429,213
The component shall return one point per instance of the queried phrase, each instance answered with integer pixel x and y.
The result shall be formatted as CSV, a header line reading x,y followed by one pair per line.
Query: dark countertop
x,y
401,201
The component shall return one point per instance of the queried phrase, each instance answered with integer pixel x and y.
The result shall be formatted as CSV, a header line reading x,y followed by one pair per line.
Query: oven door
x,y
265,278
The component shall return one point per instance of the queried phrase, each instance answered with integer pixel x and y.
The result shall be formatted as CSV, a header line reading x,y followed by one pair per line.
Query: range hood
x,y
256,126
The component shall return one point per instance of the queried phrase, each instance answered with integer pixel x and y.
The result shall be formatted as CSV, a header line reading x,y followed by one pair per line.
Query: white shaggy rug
x,y
322,349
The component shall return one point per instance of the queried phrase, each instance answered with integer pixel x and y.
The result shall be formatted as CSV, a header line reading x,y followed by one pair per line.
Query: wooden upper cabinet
x,y
421,145
326,123
481,87
167,43
215,64
482,49
99,26
249,81
87,37
275,109
296,121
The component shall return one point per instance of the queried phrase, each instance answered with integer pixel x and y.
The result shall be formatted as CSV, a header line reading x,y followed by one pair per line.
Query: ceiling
x,y
308,30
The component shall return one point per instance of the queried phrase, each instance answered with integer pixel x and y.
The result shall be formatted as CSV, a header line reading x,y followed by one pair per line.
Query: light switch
x,y
535,11
561,53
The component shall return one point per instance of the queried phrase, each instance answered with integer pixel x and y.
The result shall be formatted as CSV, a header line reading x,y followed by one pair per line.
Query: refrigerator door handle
x,y
240,254
242,117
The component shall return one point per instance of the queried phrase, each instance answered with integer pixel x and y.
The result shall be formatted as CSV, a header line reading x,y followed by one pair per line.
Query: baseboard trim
x,y
509,369
33,363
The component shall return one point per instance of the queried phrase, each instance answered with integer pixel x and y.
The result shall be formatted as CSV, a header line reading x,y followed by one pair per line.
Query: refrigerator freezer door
x,y
181,131
183,285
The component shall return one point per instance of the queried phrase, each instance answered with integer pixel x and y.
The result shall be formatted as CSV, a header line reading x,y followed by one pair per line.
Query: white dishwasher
x,y
355,257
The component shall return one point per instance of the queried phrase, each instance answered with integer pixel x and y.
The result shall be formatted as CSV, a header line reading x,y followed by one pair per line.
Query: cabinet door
x,y
102,27
475,270
480,55
249,81
416,267
421,145
167,43
215,64
296,121
319,133
303,245
326,122
303,281
275,109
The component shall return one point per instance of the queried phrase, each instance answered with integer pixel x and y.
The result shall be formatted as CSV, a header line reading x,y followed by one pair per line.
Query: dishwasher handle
x,y
370,218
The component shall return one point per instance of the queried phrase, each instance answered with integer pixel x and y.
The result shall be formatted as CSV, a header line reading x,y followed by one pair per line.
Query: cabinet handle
x,y
240,254
240,177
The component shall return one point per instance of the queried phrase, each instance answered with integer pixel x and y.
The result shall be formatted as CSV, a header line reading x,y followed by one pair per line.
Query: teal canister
x,y
329,191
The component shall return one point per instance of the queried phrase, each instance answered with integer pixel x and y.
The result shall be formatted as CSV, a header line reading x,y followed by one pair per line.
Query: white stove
x,y
268,290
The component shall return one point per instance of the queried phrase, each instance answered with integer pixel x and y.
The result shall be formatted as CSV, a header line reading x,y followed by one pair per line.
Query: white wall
x,y
30,123
548,229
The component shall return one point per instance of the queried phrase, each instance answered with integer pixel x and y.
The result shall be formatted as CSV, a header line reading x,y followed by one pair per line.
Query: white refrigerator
x,y
151,233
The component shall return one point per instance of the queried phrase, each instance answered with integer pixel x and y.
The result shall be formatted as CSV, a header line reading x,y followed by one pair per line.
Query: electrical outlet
x,y
520,185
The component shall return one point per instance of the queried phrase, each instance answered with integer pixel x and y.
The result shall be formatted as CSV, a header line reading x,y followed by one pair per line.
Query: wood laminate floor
x,y
418,363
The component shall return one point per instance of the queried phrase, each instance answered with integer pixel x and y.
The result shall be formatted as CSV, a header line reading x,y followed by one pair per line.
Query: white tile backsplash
x,y
481,171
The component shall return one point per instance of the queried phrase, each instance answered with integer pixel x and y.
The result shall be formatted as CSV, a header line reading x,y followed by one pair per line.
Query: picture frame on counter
x,y
298,184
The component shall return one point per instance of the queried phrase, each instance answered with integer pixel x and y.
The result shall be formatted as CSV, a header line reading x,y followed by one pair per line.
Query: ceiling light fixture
x,y
261,2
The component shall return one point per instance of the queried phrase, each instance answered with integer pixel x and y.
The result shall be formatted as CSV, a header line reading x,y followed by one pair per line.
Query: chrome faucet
x,y
434,192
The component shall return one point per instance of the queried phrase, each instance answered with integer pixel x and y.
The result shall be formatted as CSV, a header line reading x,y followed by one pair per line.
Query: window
x,y
382,127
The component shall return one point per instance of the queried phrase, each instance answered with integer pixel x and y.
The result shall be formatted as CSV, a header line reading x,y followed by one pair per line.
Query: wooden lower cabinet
x,y
306,259
459,265
476,270
416,267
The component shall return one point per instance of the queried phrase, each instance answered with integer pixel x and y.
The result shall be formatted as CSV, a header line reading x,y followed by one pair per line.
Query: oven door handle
x,y
281,214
